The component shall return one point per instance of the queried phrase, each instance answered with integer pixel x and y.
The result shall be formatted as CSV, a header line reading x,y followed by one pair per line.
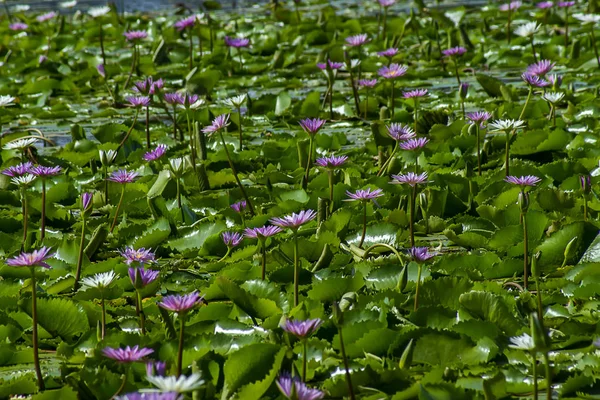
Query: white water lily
x,y
100,281
177,166
236,101
23,180
6,100
528,29
21,8
587,18
354,63
523,342
553,97
68,4
506,124
98,11
197,104
107,157
20,144
174,384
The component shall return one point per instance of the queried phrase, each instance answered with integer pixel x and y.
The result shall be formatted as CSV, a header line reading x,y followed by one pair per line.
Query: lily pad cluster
x,y
300,200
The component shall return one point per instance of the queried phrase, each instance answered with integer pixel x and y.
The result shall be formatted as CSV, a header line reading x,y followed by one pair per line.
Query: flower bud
x,y
177,166
107,157
338,316
535,271
407,355
138,282
586,183
463,90
538,333
570,250
86,203
523,201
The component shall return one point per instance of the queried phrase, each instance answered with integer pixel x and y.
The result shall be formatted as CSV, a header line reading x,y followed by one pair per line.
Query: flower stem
x,y
105,185
330,178
137,112
585,208
240,59
133,61
393,101
179,199
304,361
191,51
103,322
174,122
346,366
413,198
148,127
478,149
296,269
540,309
508,30
507,155
237,180
140,310
25,212
418,285
526,103
180,347
534,372
226,254
387,162
525,251
102,44
80,256
416,113
384,23
308,162
364,229
548,376
34,329
567,30
456,72
595,45
331,99
264,259
553,116
239,109
114,223
43,222
532,48
367,104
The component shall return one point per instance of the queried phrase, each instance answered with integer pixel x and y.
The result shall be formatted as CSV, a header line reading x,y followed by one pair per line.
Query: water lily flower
x,y
504,125
176,384
392,71
528,29
513,5
237,42
181,303
294,221
312,126
400,132
18,170
553,97
155,154
37,258
389,53
357,40
416,93
23,180
420,254
544,4
293,388
220,122
68,4
99,281
302,328
587,18
368,83
262,232
232,239
141,277
46,17
522,342
331,162
138,101
541,67
18,26
523,181
364,195
454,51
239,207
44,172
410,178
86,201
185,23
414,144
174,98
150,396
479,117
156,368
566,3
534,80
127,354
100,11
140,256
236,101
333,65
135,36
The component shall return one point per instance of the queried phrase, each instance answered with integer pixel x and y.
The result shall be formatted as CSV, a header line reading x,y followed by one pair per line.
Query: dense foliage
x,y
303,200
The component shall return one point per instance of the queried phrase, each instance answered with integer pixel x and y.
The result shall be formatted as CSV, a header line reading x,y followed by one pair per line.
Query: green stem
x,y
34,329
180,348
566,27
137,112
120,389
296,269
43,222
102,44
553,116
191,51
367,104
418,284
237,180
540,308
80,256
416,114
393,101
114,223
507,155
25,218
147,127
330,178
179,199
413,198
304,361
585,208
103,322
384,23
548,377
226,254
595,45
308,162
133,60
456,72
526,102
140,310
525,252
533,48
297,14
240,58
331,100
508,31
264,259
239,109
174,122
346,366
535,382
364,228
193,151
105,185
387,162
478,149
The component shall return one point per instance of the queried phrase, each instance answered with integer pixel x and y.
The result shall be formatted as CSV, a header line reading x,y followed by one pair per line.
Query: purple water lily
x,y
364,195
416,93
262,232
156,368
540,68
86,200
18,170
331,64
18,26
140,256
123,176
155,154
302,328
232,239
357,40
138,101
368,83
44,172
237,42
36,258
523,181
414,144
174,98
220,122
400,132
392,71
294,221
289,386
127,354
420,254
454,51
185,23
181,303
479,117
141,277
331,162
391,52
46,17
312,126
513,5
240,206
134,36
534,80
410,178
